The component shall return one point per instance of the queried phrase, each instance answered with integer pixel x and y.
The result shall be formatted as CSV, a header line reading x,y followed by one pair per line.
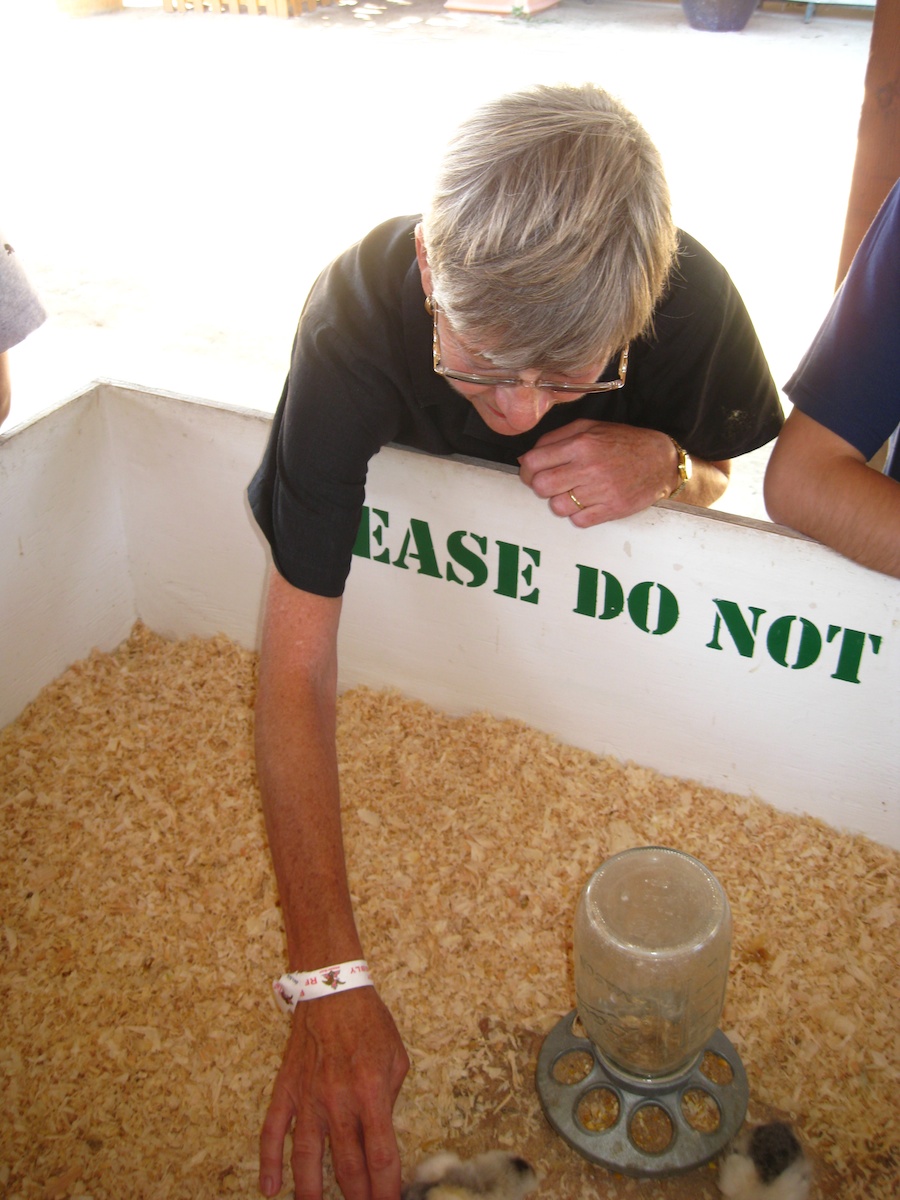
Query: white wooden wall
x,y
699,644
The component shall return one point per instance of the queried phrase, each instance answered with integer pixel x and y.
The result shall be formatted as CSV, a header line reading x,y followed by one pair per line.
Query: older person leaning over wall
x,y
544,312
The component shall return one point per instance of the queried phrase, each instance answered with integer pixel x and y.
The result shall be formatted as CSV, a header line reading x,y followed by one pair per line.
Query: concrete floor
x,y
174,182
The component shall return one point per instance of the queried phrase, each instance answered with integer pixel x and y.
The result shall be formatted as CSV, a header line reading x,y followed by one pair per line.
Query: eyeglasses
x,y
543,385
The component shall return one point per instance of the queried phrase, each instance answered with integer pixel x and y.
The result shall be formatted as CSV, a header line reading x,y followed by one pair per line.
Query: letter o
x,y
639,608
808,649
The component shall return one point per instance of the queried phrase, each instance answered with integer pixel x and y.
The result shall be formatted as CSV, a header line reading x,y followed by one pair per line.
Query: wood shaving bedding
x,y
140,932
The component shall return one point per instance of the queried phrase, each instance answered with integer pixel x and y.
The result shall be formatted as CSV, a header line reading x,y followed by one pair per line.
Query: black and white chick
x,y
491,1176
766,1163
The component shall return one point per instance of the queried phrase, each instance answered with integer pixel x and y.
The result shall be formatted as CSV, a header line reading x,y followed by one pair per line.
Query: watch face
x,y
685,466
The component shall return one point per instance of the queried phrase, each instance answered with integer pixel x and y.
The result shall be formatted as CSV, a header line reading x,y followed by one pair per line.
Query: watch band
x,y
684,466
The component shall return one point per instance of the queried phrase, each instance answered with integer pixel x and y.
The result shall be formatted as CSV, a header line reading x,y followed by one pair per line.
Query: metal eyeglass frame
x,y
577,389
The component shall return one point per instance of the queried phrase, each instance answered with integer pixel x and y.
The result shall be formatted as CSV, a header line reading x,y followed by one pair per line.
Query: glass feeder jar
x,y
652,948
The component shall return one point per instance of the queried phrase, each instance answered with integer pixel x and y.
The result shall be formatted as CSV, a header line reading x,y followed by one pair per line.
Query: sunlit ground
x,y
174,182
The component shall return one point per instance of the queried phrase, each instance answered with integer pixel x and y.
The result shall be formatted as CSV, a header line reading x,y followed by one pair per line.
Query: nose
x,y
523,406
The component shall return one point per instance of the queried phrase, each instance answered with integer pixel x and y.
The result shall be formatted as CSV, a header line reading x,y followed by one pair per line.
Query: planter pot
x,y
719,16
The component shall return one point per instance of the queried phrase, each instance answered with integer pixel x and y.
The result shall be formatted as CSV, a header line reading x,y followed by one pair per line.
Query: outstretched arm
x,y
818,483
344,1063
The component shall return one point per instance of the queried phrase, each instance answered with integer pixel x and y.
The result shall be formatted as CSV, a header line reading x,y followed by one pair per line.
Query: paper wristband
x,y
291,989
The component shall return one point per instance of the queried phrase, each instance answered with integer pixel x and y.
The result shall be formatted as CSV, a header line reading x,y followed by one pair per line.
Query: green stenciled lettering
x,y
613,598
853,643
508,571
465,557
588,589
743,636
419,535
369,532
361,545
808,649
639,607
586,599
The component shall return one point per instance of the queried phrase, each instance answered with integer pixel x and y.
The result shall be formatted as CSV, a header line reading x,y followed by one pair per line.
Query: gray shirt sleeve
x,y
21,312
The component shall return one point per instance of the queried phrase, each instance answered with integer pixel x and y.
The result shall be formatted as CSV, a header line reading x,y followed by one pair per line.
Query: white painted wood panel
x,y
701,645
805,712
64,578
198,563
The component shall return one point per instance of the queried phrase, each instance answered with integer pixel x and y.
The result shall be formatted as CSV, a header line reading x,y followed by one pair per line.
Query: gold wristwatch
x,y
684,467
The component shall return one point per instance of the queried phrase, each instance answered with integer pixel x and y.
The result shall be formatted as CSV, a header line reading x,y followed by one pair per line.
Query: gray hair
x,y
550,235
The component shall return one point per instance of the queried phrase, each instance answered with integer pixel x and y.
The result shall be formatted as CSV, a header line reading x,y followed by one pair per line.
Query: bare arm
x,y
614,470
5,389
820,485
344,1063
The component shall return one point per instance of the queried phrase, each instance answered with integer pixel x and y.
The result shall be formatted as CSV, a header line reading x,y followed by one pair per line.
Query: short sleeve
x,y
21,312
849,379
308,492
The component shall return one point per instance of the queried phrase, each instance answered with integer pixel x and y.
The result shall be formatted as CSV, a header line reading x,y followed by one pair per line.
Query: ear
x,y
422,259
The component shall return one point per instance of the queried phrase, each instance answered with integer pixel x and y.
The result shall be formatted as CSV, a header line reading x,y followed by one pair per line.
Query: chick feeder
x,y
638,1078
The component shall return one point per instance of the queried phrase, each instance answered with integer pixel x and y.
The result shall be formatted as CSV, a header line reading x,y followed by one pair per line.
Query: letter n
x,y
742,634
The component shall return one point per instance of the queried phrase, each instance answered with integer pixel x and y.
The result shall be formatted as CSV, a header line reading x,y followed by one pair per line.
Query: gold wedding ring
x,y
575,499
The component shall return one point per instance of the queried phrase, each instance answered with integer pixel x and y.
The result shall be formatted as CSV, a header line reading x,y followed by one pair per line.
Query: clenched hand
x,y
613,470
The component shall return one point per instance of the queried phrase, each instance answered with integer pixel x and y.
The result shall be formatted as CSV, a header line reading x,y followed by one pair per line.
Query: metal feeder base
x,y
614,1147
